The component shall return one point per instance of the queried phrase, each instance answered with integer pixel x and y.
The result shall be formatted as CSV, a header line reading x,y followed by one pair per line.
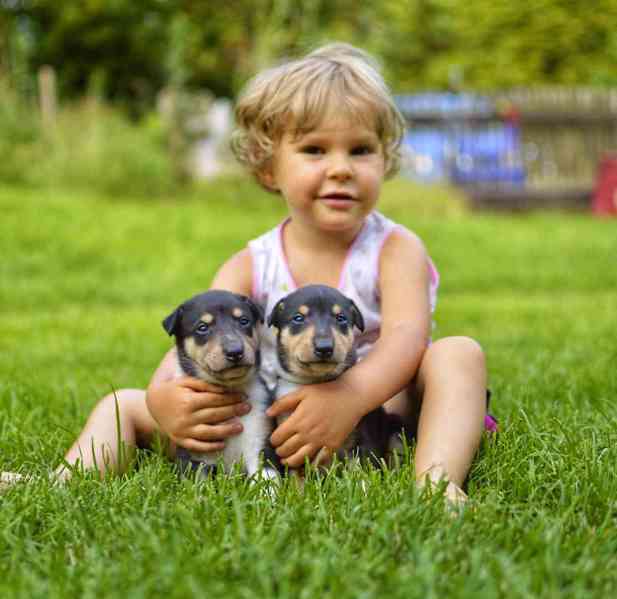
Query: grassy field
x,y
84,284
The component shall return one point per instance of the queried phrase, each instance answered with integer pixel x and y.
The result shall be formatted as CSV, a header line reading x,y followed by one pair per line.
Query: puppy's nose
x,y
233,350
324,347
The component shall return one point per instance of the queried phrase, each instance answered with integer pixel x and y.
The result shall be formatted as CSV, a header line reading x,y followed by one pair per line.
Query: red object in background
x,y
605,193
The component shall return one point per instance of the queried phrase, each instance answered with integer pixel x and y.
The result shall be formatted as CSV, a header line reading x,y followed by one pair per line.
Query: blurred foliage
x,y
91,146
488,45
136,47
126,52
19,133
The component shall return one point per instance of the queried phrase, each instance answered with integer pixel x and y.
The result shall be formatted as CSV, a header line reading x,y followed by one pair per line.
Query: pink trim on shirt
x,y
434,274
432,270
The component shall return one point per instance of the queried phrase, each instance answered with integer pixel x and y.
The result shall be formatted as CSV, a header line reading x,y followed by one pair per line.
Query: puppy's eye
x,y
298,318
244,321
202,329
341,319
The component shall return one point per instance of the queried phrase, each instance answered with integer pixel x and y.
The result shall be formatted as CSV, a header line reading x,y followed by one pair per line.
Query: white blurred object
x,y
209,153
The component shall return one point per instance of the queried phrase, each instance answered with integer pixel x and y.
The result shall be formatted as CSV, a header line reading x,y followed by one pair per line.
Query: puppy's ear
x,y
356,315
170,324
256,310
275,316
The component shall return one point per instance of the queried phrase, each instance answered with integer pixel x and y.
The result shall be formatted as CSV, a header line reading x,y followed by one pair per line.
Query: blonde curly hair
x,y
298,94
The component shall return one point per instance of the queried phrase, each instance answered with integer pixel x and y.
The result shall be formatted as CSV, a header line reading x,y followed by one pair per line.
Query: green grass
x,y
84,284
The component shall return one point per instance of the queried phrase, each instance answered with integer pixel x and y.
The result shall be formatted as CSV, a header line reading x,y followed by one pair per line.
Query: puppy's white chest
x,y
283,387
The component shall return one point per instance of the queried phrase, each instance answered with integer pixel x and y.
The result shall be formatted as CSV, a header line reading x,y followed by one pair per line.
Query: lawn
x,y
84,284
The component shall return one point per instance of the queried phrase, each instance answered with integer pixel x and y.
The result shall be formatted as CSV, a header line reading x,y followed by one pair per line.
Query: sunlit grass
x,y
84,284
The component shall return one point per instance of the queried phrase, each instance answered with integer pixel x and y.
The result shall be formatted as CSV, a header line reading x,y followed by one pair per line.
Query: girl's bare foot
x,y
433,479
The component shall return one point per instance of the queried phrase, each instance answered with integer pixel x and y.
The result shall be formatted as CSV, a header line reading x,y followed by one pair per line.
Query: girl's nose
x,y
340,167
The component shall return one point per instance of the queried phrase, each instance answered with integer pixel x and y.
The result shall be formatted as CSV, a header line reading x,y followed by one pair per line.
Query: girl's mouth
x,y
338,200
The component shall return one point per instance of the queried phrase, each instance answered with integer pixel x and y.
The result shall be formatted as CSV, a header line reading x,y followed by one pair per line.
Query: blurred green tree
x,y
120,43
129,49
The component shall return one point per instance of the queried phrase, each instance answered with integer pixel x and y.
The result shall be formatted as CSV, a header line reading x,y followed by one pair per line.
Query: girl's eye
x,y
202,329
363,150
299,318
311,150
341,318
244,321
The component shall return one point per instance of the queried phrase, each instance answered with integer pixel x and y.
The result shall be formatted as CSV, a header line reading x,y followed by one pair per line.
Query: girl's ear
x,y
266,178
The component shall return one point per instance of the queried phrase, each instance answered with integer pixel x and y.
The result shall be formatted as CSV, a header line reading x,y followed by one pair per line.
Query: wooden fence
x,y
525,148
564,132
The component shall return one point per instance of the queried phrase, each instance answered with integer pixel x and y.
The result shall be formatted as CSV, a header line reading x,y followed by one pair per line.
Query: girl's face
x,y
331,176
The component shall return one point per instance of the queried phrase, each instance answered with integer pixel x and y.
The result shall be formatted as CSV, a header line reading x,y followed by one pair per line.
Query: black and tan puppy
x,y
217,339
315,342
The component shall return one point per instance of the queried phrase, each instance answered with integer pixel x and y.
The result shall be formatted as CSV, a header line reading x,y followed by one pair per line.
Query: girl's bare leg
x,y
451,383
119,423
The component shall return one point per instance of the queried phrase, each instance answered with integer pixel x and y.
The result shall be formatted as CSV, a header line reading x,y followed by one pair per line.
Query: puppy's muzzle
x,y
233,349
323,347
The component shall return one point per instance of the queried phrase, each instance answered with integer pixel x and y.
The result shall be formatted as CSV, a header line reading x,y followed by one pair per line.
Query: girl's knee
x,y
130,406
127,402
455,352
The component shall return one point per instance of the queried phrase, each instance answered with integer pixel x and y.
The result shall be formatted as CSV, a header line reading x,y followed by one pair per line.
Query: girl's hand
x,y
323,415
196,415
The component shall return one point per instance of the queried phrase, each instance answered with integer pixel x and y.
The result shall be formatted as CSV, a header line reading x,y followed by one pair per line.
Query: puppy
x,y
217,339
314,329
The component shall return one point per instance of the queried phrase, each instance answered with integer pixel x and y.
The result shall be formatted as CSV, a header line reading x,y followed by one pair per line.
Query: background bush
x,y
91,146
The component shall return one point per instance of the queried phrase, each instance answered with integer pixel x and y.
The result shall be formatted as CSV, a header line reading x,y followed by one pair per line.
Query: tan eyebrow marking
x,y
237,312
304,310
207,317
336,309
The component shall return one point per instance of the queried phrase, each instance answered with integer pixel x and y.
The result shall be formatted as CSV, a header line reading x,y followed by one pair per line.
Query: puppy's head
x,y
217,336
315,333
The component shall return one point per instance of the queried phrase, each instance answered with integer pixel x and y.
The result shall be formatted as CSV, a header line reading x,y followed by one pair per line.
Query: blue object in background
x,y
461,138
491,155
426,154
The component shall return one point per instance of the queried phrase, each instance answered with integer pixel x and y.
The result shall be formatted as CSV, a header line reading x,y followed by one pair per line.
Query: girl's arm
x,y
324,415
236,275
405,326
189,411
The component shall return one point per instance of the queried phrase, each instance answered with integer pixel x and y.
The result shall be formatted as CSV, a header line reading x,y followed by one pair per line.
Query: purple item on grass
x,y
490,424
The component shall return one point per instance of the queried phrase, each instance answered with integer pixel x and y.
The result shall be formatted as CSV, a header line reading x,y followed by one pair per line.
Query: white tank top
x,y
359,280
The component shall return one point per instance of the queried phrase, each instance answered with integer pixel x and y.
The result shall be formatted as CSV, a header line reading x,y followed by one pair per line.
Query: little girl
x,y
324,133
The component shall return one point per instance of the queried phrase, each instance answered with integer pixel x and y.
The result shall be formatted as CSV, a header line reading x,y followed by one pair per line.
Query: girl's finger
x,y
216,415
290,446
283,432
216,432
199,401
287,403
198,385
203,446
297,459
